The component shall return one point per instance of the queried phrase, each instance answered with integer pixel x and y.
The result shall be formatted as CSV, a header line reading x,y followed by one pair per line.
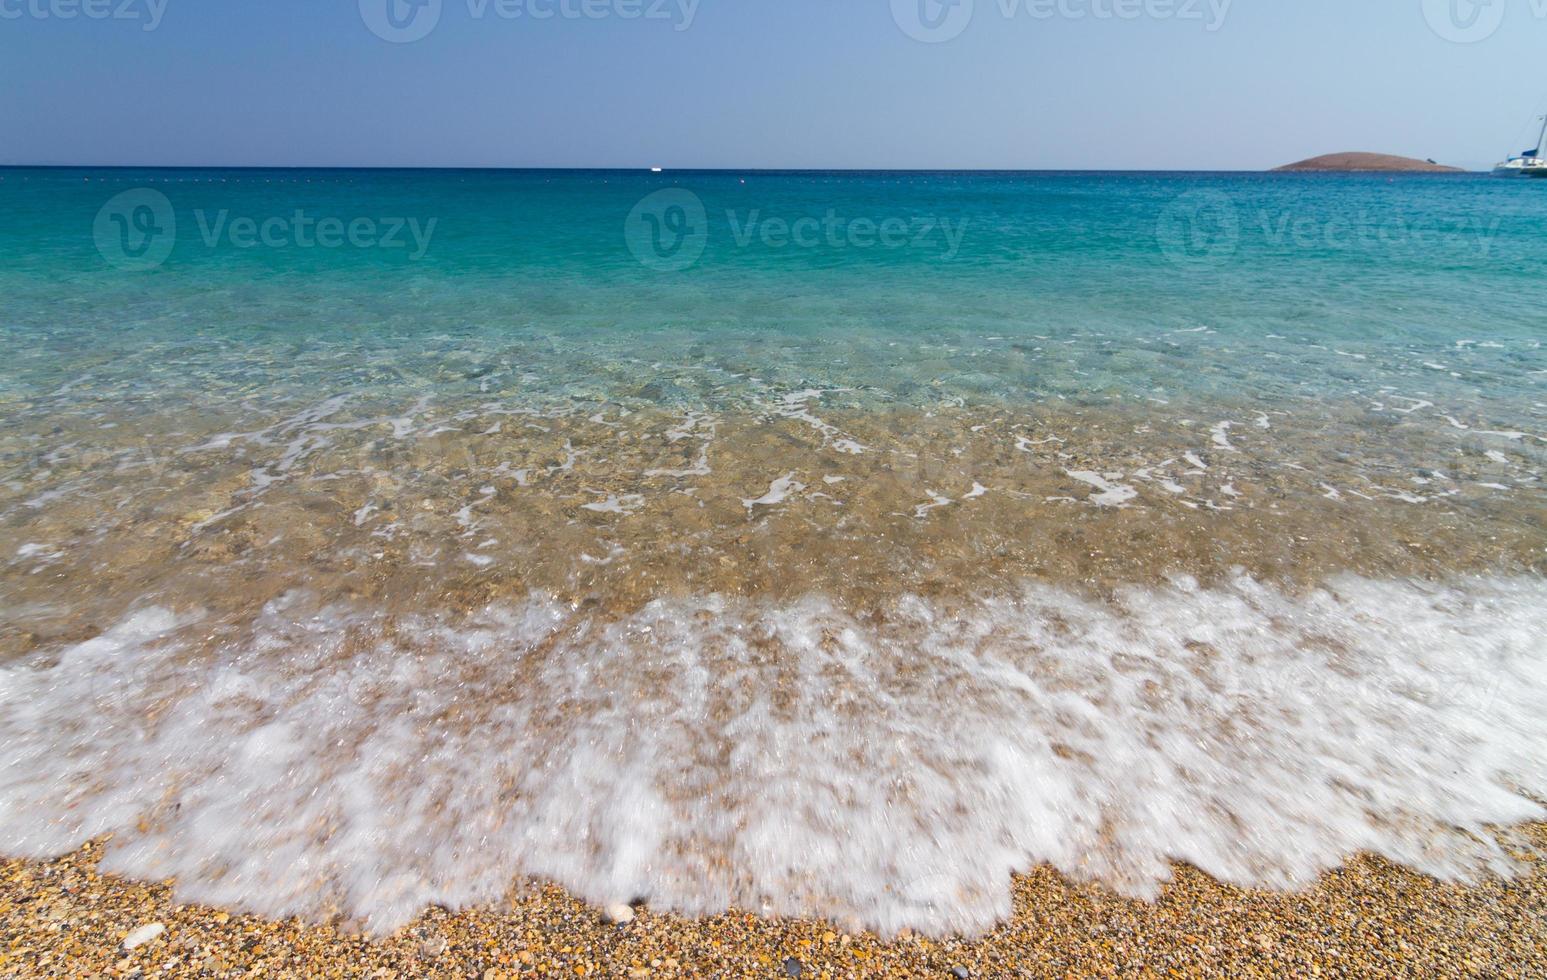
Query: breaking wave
x,y
886,767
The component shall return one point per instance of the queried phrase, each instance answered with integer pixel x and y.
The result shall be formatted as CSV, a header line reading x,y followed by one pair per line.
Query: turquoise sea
x,y
815,543
1397,267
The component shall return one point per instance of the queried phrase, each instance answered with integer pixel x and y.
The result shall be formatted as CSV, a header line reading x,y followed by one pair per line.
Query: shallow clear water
x,y
672,535
1397,271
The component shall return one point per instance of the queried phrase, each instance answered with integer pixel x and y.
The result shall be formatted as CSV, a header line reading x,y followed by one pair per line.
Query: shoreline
x,y
1368,918
1155,520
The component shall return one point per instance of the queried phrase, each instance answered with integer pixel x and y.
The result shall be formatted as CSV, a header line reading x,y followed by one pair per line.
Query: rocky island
x,y
1367,163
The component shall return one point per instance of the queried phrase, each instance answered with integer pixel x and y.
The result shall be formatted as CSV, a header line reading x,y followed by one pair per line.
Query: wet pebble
x,y
142,935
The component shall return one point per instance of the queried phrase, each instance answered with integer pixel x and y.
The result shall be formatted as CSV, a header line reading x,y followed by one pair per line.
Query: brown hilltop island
x,y
1367,163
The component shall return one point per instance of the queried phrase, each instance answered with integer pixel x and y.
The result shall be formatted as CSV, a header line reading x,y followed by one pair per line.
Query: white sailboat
x,y
1531,163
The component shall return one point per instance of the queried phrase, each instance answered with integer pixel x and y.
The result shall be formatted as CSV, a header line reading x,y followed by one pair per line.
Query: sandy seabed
x,y
858,507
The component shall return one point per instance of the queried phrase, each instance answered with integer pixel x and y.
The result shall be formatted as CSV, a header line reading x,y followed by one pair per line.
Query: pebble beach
x,y
771,612
1369,919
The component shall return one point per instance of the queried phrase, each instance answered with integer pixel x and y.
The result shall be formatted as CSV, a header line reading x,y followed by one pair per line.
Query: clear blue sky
x,y
763,83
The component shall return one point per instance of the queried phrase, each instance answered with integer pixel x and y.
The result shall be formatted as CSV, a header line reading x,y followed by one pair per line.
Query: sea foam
x,y
886,768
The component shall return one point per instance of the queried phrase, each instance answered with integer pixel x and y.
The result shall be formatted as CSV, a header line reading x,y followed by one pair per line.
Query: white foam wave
x,y
888,769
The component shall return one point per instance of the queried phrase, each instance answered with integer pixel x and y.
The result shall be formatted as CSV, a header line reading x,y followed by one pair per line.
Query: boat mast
x,y
1541,141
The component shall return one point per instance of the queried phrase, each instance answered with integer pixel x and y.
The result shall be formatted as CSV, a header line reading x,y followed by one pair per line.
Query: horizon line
x,y
704,170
